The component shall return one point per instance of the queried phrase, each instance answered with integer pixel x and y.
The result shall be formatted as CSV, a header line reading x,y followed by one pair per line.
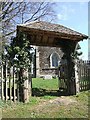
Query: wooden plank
x,y
85,75
17,84
80,71
81,79
2,87
59,77
89,77
6,87
0,81
29,83
10,90
84,78
14,84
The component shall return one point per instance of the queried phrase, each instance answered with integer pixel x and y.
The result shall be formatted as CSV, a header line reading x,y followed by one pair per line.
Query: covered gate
x,y
43,33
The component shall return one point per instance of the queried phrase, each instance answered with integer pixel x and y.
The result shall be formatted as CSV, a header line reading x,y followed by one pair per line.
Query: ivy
x,y
76,53
18,52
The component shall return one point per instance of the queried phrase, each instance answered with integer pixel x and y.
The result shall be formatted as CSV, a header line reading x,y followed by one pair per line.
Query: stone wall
x,y
43,60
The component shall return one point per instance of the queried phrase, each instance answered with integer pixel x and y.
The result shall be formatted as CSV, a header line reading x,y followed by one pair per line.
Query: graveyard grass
x,y
45,103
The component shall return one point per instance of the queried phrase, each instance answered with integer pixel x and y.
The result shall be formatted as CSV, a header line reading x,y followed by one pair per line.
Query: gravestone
x,y
48,77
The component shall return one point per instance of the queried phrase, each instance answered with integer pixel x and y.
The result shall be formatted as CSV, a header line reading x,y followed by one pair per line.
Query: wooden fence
x,y
84,75
11,88
9,78
83,68
8,82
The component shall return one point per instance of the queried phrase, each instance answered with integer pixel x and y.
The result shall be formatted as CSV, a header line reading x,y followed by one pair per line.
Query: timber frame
x,y
42,33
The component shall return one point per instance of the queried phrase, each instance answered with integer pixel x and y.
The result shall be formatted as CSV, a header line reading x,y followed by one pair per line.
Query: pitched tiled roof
x,y
46,26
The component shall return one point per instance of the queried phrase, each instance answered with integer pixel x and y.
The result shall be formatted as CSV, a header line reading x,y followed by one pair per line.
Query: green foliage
x,y
33,101
18,52
76,53
19,55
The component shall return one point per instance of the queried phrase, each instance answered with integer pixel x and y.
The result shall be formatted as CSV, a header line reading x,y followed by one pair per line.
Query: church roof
x,y
57,29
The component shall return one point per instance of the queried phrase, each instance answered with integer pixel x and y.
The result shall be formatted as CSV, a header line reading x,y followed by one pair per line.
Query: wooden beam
x,y
50,33
45,39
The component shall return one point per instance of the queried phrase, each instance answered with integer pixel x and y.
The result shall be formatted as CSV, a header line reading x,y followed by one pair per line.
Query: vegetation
x,y
13,13
77,53
47,105
45,84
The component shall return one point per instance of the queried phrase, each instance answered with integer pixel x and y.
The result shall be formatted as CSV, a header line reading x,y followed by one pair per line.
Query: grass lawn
x,y
45,103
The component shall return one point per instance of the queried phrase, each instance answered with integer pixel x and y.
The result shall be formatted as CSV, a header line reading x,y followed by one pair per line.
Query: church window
x,y
54,60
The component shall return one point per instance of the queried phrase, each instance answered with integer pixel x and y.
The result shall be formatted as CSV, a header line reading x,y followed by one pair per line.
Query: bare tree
x,y
14,13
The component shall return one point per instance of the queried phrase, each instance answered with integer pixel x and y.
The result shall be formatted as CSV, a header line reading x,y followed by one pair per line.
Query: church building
x,y
47,61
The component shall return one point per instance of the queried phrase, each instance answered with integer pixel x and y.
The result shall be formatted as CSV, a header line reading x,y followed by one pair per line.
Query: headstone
x,y
48,77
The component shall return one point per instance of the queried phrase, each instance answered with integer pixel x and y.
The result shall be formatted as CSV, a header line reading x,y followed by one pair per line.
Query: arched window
x,y
54,60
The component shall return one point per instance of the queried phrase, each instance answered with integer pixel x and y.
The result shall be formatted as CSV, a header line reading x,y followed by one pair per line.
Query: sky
x,y
75,16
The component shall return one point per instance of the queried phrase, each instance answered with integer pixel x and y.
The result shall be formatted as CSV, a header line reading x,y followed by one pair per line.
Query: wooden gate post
x,y
71,77
27,90
62,74
59,77
68,48
29,84
77,77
